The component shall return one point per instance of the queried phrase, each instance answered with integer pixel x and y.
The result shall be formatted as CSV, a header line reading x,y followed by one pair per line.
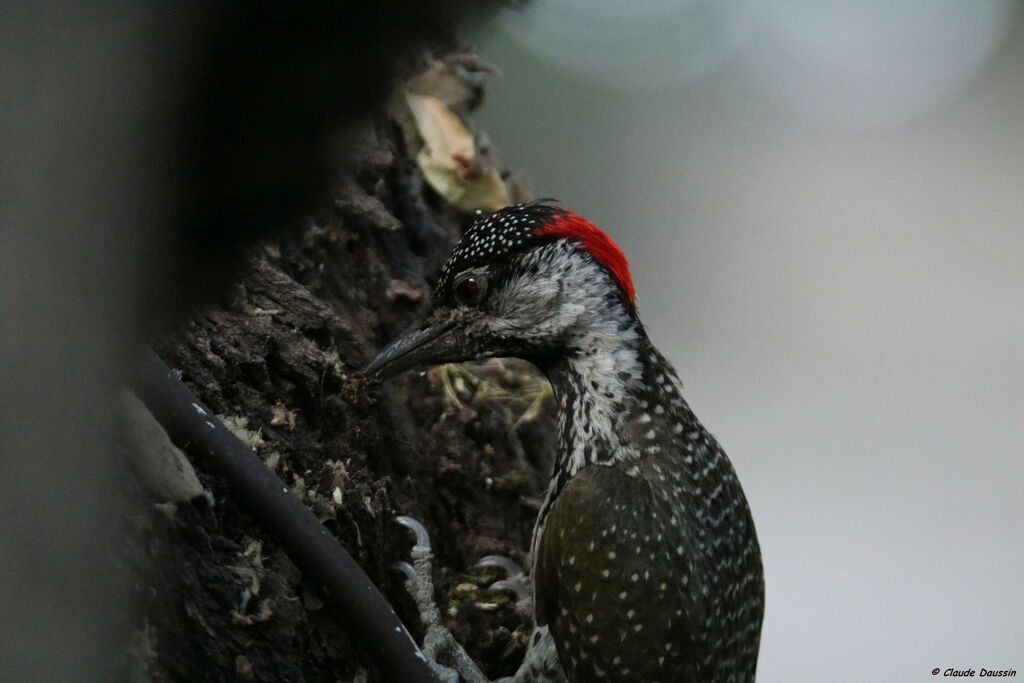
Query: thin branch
x,y
362,609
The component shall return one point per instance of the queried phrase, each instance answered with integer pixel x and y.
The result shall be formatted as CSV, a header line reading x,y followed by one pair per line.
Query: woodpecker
x,y
645,562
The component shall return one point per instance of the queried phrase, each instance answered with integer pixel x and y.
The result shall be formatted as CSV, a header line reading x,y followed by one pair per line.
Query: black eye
x,y
470,290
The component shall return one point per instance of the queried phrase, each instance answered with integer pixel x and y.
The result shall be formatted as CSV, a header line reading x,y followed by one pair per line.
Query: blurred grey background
x,y
822,202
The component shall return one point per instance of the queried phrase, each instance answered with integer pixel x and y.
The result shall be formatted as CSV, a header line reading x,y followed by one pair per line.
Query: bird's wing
x,y
608,584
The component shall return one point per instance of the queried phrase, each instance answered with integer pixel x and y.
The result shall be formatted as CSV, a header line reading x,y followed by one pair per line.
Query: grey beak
x,y
418,345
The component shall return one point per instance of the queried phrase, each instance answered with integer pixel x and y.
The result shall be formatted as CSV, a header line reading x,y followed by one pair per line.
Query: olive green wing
x,y
612,586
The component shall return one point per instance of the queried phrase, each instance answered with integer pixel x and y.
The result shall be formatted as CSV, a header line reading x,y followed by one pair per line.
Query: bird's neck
x,y
612,374
610,379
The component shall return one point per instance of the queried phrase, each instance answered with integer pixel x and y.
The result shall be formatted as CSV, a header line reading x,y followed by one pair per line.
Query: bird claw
x,y
516,586
501,562
422,537
515,580
403,568
437,641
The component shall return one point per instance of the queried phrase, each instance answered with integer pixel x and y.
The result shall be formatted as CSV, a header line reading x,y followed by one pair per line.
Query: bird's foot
x,y
438,642
515,582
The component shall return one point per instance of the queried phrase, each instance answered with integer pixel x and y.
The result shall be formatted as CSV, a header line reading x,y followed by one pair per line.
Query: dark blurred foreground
x,y
144,146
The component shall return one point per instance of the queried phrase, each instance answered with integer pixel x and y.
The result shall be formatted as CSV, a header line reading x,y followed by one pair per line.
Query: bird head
x,y
532,281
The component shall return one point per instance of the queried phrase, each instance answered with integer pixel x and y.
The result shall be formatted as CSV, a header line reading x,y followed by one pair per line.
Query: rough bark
x,y
461,449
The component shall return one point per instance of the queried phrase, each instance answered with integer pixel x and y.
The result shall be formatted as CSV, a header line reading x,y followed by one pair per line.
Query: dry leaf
x,y
158,463
456,80
441,82
239,426
282,417
448,158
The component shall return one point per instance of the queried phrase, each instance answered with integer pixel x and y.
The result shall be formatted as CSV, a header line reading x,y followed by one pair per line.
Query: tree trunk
x,y
463,449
